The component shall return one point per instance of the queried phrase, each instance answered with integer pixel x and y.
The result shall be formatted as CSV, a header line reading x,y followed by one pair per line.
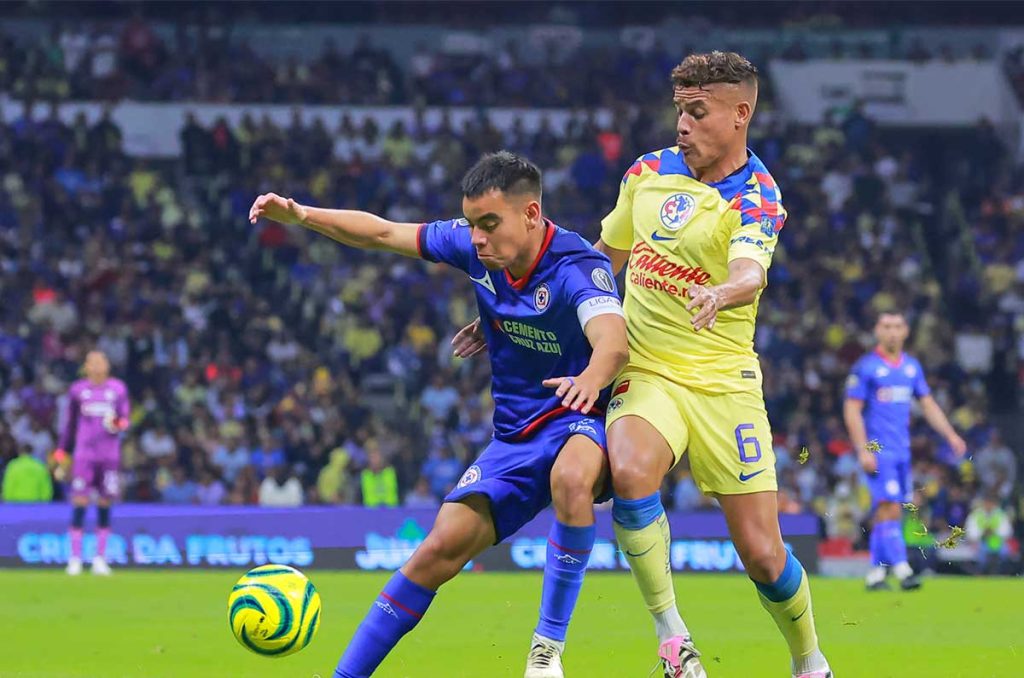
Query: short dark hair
x,y
698,70
503,171
890,311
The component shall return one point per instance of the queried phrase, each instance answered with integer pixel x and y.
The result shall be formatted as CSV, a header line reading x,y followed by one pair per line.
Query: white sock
x,y
813,662
876,574
902,570
668,624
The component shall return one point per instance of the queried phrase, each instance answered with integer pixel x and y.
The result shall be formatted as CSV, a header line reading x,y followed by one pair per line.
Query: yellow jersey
x,y
681,232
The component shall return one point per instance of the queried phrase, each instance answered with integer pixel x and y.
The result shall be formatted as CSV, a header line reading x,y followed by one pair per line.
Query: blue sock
x,y
636,514
895,546
568,553
788,583
398,608
877,544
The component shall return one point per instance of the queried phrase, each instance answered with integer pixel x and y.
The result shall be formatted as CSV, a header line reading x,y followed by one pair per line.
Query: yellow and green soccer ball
x,y
274,610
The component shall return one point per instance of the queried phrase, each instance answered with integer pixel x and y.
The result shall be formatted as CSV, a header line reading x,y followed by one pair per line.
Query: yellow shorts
x,y
727,435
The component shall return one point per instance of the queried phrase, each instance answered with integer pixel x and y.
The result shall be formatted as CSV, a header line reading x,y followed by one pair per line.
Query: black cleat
x,y
911,583
880,586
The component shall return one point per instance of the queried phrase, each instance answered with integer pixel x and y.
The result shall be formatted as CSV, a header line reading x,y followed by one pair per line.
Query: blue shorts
x,y
892,482
516,476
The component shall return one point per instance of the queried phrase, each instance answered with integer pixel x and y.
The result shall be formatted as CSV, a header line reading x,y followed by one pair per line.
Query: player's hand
x,y
708,300
868,461
577,393
469,341
958,444
274,207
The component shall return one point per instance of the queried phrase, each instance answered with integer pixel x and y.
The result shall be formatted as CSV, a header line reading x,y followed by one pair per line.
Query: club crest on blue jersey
x,y
542,297
602,280
471,475
677,210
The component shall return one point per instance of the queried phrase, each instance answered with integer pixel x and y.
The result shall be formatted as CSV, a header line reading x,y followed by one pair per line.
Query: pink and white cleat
x,y
680,659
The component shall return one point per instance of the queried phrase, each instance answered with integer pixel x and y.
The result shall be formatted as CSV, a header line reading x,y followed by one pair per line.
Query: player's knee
x,y
764,560
573,485
887,510
634,475
438,559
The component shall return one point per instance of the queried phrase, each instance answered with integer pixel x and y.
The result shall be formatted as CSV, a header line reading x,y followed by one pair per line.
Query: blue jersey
x,y
534,325
887,389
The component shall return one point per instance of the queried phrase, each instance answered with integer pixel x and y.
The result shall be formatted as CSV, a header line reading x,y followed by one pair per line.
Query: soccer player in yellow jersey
x,y
698,224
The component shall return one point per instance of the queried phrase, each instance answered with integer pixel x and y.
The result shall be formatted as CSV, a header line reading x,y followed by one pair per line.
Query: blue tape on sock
x,y
786,586
636,514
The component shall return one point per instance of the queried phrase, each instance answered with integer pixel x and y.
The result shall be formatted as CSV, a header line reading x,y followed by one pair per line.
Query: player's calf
x,y
462,530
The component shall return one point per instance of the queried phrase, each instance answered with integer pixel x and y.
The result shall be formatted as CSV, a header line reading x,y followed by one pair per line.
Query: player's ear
x,y
532,211
744,111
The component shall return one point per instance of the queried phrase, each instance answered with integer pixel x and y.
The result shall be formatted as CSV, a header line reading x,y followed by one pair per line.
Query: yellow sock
x,y
647,551
795,619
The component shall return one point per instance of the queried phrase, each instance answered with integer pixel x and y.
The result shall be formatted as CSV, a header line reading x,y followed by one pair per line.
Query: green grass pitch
x,y
174,625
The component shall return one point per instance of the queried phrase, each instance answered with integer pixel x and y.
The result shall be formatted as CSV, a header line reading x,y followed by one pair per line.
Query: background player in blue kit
x,y
556,336
879,391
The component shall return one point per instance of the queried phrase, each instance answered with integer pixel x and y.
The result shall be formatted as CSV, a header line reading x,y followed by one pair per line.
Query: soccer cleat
x,y
878,586
680,659
545,659
100,567
74,567
911,583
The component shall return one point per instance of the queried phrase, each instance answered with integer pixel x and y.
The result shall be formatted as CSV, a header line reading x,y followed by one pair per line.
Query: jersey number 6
x,y
748,443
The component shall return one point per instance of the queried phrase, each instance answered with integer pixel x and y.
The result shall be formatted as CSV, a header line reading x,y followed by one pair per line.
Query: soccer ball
x,y
274,610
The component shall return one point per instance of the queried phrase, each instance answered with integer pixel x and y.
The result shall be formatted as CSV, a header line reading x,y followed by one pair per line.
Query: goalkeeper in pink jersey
x,y
98,411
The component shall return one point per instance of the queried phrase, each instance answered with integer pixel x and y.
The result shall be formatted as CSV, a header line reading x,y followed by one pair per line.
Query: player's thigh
x,y
580,471
84,478
462,530
647,434
730,443
753,521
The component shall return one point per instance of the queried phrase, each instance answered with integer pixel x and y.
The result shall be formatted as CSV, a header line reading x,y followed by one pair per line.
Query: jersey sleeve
x,y
589,288
858,381
446,242
761,217
67,434
921,388
617,226
124,407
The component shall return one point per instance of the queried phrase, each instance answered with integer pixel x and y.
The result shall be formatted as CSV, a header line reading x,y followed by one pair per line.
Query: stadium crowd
x,y
269,366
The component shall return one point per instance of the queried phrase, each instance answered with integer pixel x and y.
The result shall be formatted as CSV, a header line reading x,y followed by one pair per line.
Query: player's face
x,y
891,330
501,227
708,121
97,367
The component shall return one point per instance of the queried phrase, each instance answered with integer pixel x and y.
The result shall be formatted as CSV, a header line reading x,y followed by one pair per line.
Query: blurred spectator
x,y
334,484
996,467
210,491
988,529
420,496
180,490
281,489
378,481
26,479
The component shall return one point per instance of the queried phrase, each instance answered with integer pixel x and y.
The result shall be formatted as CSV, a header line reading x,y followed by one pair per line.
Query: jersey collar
x,y
894,364
521,282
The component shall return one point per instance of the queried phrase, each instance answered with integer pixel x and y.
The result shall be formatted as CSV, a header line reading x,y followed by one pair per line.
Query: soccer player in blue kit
x,y
556,336
879,392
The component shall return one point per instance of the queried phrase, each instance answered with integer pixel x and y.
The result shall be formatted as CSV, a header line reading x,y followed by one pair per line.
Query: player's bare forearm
x,y
618,257
746,278
349,227
607,336
853,416
935,417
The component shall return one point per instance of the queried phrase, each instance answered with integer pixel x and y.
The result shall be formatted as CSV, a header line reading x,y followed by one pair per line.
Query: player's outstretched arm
x,y
617,256
349,227
607,336
746,277
935,417
853,415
